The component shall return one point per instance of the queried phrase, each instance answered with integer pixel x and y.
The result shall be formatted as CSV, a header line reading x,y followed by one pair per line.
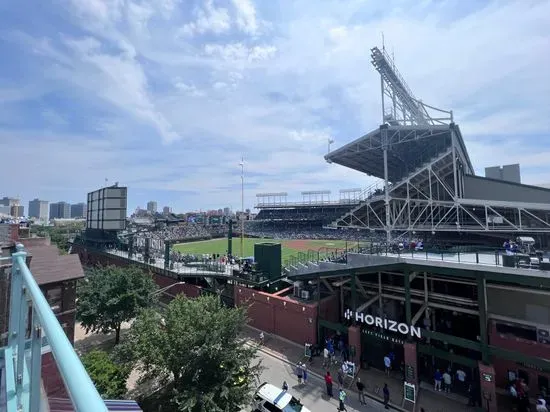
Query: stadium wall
x,y
281,316
92,258
531,348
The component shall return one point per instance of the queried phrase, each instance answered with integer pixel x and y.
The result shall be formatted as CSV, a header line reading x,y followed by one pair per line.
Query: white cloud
x,y
246,16
125,80
208,19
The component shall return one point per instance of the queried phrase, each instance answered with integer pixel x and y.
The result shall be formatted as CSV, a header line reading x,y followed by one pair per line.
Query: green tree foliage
x,y
111,295
195,348
109,377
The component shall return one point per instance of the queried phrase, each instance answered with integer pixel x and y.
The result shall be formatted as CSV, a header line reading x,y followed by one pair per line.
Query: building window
x,y
54,298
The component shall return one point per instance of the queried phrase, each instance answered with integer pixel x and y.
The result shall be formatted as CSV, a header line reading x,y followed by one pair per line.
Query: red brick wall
x,y
53,383
524,346
187,289
329,309
278,315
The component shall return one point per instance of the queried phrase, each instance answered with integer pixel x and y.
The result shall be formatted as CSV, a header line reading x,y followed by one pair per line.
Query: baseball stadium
x,y
441,268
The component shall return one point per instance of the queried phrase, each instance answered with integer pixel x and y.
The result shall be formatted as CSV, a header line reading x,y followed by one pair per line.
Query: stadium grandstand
x,y
425,181
281,218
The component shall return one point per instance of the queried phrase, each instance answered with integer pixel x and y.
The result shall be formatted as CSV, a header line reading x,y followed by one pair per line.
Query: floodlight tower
x,y
399,106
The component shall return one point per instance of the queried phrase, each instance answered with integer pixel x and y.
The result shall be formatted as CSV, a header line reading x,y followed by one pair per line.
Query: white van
x,y
269,398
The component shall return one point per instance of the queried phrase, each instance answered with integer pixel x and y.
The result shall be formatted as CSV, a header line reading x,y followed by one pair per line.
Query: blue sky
x,y
166,96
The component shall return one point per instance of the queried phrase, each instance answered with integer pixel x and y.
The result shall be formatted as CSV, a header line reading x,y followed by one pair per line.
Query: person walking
x,y
342,398
299,373
326,355
328,383
387,364
340,378
447,380
304,370
437,380
361,390
386,392
285,386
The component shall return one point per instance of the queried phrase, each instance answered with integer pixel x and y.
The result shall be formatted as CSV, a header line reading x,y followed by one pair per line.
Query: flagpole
x,y
242,207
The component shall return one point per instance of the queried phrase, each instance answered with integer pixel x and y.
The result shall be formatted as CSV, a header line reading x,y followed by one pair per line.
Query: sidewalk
x,y
373,379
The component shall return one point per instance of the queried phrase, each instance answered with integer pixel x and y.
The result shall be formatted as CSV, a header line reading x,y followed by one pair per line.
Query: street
x,y
313,394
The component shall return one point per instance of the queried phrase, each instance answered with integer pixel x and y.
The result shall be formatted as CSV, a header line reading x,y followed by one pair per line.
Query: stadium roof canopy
x,y
411,146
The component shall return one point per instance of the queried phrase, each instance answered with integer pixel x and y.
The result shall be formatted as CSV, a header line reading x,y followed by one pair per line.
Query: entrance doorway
x,y
376,345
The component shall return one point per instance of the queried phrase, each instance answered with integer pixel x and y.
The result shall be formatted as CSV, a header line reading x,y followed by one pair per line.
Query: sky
x,y
166,96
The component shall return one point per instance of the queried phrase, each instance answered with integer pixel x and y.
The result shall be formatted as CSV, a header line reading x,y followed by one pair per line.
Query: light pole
x,y
242,206
330,141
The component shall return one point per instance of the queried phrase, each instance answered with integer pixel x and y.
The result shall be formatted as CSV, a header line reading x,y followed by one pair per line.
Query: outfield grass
x,y
289,247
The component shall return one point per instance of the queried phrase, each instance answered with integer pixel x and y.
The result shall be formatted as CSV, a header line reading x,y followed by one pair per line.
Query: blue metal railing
x,y
23,367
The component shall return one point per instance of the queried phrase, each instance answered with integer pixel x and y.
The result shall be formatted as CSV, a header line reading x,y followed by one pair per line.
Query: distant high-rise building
x,y
508,173
17,211
60,210
166,210
226,211
15,208
78,210
9,201
152,206
38,209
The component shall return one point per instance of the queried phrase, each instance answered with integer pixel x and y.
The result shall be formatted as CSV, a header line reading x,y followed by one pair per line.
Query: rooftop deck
x,y
30,337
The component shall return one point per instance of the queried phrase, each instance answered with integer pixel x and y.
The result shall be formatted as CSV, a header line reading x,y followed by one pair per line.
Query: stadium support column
x,y
482,304
384,132
455,172
408,314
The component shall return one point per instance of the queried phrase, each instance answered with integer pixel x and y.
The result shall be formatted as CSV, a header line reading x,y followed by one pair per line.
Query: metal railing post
x,y
81,389
21,335
36,362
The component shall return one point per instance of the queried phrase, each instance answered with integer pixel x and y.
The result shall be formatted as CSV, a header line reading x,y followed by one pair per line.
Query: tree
x,y
196,348
112,295
109,377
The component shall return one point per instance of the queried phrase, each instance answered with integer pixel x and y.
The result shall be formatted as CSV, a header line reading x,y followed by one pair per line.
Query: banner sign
x,y
384,323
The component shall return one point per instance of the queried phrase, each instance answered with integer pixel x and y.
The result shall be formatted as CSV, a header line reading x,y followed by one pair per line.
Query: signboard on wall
x,y
384,323
409,391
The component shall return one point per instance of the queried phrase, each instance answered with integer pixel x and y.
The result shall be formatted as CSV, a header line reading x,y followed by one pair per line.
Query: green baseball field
x,y
289,247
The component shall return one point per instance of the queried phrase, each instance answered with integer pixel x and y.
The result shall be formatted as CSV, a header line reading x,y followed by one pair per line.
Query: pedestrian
x,y
304,370
340,378
285,386
361,390
437,380
342,398
262,338
328,383
326,355
386,392
387,364
299,373
541,405
447,381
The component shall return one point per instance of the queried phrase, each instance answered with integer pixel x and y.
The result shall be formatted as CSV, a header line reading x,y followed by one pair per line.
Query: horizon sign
x,y
387,324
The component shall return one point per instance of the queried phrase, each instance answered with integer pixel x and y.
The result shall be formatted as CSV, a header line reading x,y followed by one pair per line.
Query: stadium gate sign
x,y
387,324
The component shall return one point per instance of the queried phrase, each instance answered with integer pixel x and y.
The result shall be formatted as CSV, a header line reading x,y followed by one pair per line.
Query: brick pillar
x,y
411,360
354,341
488,387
